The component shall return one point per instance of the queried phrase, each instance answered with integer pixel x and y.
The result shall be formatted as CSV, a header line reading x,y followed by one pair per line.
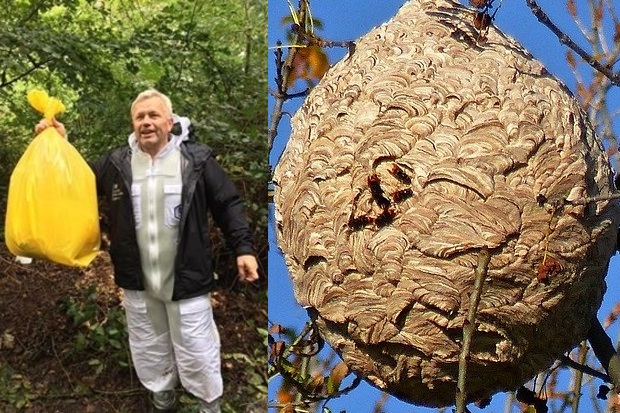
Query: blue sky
x,y
348,20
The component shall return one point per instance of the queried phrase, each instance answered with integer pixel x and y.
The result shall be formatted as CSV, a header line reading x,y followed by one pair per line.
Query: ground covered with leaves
x,y
63,343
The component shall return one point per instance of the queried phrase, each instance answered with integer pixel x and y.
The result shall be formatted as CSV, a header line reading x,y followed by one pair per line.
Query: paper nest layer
x,y
422,147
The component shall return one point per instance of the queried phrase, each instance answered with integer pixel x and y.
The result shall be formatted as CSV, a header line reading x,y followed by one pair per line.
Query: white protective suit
x,y
168,339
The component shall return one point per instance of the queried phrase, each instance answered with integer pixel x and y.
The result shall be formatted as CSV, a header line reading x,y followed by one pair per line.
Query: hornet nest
x,y
414,153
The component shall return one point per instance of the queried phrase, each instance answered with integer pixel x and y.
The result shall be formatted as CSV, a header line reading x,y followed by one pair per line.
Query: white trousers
x,y
174,339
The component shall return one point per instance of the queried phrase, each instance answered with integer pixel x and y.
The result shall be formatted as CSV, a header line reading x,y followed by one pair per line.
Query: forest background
x,y
62,334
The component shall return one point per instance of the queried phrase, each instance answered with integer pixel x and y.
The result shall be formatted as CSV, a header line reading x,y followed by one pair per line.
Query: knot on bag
x,y
47,105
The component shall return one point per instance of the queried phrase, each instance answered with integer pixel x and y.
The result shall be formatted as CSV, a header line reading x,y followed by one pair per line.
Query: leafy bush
x,y
102,332
15,388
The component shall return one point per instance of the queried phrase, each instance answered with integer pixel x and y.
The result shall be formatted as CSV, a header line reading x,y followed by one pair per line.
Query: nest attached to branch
x,y
424,146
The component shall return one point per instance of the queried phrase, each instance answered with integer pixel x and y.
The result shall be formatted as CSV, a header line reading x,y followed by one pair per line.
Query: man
x,y
159,189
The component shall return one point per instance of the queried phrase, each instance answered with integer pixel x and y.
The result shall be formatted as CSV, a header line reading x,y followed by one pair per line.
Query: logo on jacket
x,y
117,193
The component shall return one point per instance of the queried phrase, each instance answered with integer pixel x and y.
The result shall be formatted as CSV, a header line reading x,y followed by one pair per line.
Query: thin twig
x,y
605,351
380,403
356,382
589,199
558,203
8,263
35,66
276,114
582,353
470,327
303,38
567,41
61,365
89,392
306,348
288,405
304,370
123,393
314,39
568,362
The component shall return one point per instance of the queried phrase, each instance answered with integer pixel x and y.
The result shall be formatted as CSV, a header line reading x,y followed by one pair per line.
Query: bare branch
x,y
604,351
280,95
304,37
578,378
589,199
470,327
566,40
568,362
282,74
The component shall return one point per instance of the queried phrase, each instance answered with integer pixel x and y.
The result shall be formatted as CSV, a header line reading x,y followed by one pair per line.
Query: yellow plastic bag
x,y
52,204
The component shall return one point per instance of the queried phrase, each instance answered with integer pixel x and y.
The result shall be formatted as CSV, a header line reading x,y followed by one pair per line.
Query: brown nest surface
x,y
432,141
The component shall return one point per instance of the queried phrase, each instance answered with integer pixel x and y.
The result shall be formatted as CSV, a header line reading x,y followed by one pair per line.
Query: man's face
x,y
151,124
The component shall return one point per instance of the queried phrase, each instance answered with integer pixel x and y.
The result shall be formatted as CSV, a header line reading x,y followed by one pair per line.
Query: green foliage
x,y
209,56
306,375
103,332
254,366
15,389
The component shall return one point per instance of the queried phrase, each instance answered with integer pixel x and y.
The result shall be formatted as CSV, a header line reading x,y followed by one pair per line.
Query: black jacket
x,y
206,187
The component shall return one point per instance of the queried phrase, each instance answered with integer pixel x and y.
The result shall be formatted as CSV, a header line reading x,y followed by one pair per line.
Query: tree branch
x,y
282,74
568,362
470,327
35,66
567,41
578,378
589,199
604,351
